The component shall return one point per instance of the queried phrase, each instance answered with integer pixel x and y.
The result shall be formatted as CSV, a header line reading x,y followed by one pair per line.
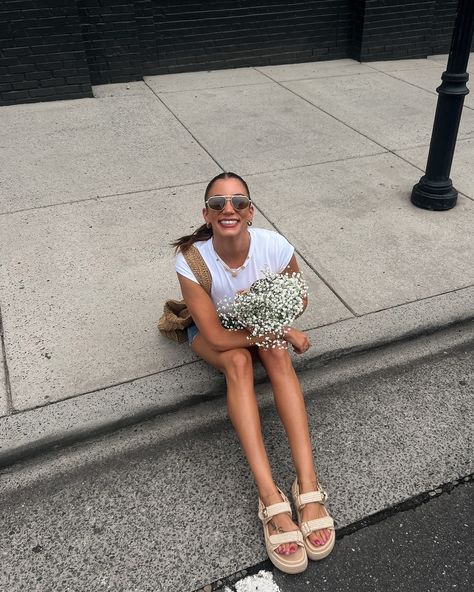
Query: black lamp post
x,y
435,190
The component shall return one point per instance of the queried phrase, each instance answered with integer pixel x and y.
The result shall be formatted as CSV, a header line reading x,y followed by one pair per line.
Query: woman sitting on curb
x,y
236,254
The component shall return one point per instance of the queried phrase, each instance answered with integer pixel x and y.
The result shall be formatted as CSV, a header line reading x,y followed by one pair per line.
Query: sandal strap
x,y
279,508
312,496
294,536
317,524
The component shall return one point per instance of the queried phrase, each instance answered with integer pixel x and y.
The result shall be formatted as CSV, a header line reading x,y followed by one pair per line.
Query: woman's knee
x,y
237,363
275,357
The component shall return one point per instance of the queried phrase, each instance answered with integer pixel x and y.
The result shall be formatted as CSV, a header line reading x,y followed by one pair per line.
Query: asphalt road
x,y
427,548
169,505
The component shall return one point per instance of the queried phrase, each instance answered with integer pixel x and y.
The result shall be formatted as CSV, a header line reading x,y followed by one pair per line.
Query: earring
x,y
249,222
208,225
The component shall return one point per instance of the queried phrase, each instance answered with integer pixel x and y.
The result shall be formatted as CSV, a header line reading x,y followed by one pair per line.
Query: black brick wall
x,y
396,28
442,25
55,49
223,34
41,52
111,39
391,29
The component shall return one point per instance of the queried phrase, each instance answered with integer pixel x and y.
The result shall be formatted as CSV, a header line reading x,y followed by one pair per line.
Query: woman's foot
x,y
280,523
314,510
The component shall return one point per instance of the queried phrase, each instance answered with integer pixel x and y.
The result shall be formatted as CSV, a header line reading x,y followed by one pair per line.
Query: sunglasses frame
x,y
228,198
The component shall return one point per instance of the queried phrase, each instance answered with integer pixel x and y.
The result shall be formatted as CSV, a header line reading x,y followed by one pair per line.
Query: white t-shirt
x,y
268,250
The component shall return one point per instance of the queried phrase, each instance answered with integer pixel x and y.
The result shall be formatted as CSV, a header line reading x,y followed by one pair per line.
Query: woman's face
x,y
228,222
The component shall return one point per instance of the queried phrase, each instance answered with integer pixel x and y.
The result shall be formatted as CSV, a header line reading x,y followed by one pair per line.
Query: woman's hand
x,y
298,340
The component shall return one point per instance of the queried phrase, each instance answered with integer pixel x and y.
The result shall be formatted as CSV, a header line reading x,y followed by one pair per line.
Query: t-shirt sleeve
x,y
183,268
285,252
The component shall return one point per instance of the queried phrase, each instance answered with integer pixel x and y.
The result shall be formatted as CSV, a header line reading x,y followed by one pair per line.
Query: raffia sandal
x,y
307,527
295,562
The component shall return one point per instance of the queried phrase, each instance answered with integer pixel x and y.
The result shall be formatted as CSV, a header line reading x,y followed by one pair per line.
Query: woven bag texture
x,y
176,316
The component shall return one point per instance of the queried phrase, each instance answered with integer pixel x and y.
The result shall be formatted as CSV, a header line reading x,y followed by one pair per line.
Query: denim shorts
x,y
192,331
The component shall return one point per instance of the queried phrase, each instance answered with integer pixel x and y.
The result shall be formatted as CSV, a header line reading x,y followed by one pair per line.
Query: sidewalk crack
x,y
313,269
195,138
8,391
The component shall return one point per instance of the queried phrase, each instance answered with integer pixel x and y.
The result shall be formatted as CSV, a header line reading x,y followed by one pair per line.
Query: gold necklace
x,y
233,271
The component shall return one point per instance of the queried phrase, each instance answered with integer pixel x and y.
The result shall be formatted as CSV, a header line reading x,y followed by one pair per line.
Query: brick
x,y
77,79
52,82
15,77
38,75
21,69
44,92
64,72
16,51
70,89
48,65
25,84
10,61
15,95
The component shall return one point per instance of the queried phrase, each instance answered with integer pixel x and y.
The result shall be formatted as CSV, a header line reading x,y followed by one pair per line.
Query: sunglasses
x,y
217,202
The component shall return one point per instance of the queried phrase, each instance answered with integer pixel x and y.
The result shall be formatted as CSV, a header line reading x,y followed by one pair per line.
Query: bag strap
x,y
198,266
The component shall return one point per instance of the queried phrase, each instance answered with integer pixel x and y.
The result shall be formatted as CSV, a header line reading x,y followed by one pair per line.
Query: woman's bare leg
x,y
245,417
291,408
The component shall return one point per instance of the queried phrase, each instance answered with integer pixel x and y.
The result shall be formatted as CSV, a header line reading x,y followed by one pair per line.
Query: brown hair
x,y
203,232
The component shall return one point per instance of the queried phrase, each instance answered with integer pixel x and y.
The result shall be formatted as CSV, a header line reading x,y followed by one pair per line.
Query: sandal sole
x,y
314,553
290,568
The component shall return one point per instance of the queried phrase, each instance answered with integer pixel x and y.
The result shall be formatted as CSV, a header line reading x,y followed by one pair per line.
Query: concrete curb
x,y
34,431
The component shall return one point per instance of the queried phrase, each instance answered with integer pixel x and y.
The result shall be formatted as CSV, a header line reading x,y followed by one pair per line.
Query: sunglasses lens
x,y
240,202
216,203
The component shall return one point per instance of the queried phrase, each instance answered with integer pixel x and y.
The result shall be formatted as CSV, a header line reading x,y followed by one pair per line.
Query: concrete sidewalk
x,y
92,191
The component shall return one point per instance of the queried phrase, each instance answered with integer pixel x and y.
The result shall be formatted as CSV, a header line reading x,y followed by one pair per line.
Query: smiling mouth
x,y
228,223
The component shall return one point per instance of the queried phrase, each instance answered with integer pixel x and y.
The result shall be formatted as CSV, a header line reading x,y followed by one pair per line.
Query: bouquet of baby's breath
x,y
270,305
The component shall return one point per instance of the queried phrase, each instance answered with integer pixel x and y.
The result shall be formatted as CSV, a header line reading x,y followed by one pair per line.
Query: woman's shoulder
x,y
263,234
202,246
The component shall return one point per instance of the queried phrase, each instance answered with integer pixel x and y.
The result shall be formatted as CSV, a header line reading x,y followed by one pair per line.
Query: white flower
x,y
270,305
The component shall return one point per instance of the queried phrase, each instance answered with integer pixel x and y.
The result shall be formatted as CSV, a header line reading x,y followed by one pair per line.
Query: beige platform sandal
x,y
295,562
307,527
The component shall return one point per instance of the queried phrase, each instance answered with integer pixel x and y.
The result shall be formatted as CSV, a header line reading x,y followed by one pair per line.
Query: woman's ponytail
x,y
200,234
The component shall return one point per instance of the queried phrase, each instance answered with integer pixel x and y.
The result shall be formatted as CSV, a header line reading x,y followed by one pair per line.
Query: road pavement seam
x,y
300,254
70,423
334,117
190,184
186,128
312,362
313,164
402,69
319,77
365,314
8,390
99,197
409,504
391,151
169,92
433,92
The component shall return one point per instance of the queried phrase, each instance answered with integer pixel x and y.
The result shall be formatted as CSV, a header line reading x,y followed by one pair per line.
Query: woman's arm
x,y
292,267
298,339
205,316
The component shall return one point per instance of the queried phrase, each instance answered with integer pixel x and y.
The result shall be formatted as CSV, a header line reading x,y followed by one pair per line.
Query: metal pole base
x,y
434,196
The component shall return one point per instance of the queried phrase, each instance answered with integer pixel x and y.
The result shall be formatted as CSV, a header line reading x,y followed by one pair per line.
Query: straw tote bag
x,y
176,316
